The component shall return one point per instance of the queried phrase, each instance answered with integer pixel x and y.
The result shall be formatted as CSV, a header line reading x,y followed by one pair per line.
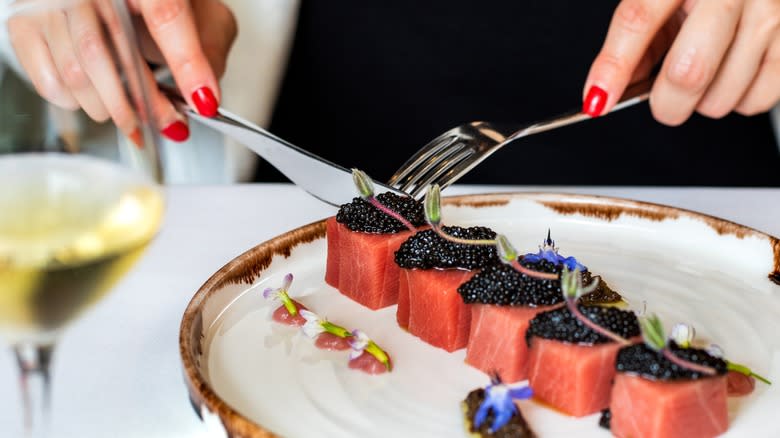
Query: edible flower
x,y
686,333
361,343
653,334
548,251
281,294
315,326
365,188
682,334
508,255
500,398
571,285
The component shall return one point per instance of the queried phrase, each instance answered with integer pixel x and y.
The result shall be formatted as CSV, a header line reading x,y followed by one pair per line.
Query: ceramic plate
x,y
249,376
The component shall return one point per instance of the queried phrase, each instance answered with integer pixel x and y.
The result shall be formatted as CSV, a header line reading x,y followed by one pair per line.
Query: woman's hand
x,y
68,57
719,56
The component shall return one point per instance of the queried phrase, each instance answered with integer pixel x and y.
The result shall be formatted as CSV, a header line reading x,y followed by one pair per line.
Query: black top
x,y
369,83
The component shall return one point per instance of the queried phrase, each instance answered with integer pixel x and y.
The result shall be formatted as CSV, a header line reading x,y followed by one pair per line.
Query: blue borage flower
x,y
683,335
548,251
281,294
499,398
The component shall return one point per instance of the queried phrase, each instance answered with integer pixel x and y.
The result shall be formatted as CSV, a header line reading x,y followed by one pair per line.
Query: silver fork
x,y
454,153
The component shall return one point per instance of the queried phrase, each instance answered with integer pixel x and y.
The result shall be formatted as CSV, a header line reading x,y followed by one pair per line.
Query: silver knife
x,y
319,177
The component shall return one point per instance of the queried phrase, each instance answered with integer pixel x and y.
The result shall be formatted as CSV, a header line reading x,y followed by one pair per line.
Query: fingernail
x,y
595,101
205,102
135,137
177,131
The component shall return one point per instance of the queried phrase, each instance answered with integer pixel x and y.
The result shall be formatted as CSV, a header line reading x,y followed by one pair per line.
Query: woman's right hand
x,y
68,60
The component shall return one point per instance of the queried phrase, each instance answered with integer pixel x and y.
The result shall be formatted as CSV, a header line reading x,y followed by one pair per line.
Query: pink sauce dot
x,y
329,341
739,384
368,364
282,316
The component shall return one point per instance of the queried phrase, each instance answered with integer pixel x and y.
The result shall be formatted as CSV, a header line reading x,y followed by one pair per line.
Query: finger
x,y
172,25
655,53
694,59
633,27
743,60
69,67
218,31
764,92
33,54
96,59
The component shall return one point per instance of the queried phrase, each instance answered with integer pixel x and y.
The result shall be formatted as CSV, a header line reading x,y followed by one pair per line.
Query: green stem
x,y
335,329
379,354
742,369
288,303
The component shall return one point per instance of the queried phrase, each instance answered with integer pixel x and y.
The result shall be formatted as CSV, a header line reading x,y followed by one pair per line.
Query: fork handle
x,y
636,93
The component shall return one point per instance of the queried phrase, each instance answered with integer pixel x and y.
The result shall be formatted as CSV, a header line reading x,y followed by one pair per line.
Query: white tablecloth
x,y
117,371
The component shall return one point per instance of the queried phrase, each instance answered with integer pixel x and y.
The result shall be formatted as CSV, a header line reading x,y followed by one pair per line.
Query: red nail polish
x,y
595,101
135,137
205,102
177,131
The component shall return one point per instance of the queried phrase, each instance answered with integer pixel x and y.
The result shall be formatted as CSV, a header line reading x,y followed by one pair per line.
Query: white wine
x,y
70,227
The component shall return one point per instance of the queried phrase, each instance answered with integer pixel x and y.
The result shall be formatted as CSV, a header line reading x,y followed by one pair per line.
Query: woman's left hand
x,y
720,56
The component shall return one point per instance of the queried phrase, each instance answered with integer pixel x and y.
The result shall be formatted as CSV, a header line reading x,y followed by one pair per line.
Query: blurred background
x,y
255,86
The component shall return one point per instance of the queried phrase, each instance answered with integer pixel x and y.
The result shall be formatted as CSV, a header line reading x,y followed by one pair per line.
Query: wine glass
x,y
79,201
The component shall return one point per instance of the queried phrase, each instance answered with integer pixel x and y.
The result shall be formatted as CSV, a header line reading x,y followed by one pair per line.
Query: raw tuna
x,y
497,339
361,266
430,307
432,269
643,408
653,397
574,379
570,366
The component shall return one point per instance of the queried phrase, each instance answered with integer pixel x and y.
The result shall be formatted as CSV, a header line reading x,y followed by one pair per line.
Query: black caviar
x,y
517,427
503,285
428,250
606,419
360,215
650,364
561,325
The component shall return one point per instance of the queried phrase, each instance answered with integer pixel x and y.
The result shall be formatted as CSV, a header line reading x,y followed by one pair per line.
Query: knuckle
x,y
89,44
163,12
73,74
633,16
611,63
766,19
731,7
690,72
713,110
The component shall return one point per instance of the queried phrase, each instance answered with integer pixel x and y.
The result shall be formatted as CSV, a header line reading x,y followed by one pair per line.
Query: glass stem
x,y
35,384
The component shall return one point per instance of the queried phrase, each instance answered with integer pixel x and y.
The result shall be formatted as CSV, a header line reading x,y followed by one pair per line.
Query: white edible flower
x,y
313,326
358,341
683,334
